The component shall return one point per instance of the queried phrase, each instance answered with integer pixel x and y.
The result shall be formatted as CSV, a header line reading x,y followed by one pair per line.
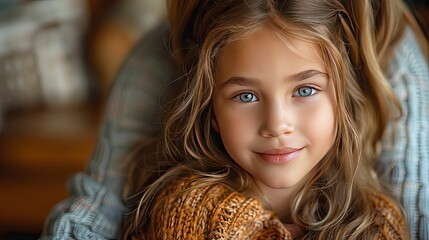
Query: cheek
x,y
319,124
236,128
233,125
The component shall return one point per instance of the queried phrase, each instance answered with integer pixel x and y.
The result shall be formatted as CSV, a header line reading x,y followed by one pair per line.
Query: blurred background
x,y
58,59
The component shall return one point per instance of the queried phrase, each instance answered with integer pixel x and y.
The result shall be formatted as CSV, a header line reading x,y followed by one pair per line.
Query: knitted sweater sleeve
x,y
212,212
391,223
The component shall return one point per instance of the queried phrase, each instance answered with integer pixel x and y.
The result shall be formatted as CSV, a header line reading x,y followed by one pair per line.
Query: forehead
x,y
267,50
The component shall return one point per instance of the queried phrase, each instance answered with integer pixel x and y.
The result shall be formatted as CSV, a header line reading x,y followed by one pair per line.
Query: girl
x,y
274,131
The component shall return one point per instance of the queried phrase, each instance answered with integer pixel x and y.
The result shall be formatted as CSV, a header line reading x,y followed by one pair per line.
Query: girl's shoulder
x,y
196,192
191,207
389,218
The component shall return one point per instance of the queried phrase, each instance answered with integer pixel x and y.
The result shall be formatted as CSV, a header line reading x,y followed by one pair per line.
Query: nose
x,y
277,120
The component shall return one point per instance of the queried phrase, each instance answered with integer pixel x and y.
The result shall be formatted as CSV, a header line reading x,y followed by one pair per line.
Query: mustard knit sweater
x,y
217,212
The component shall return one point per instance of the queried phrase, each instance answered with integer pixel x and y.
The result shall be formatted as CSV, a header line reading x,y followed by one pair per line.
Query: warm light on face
x,y
274,108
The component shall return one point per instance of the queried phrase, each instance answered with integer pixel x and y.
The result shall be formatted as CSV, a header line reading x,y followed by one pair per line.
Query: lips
x,y
280,156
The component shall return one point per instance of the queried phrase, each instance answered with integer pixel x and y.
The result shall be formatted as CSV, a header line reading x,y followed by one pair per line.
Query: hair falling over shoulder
x,y
354,39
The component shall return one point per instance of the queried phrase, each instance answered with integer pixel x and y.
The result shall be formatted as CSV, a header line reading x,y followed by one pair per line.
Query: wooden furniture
x,y
39,150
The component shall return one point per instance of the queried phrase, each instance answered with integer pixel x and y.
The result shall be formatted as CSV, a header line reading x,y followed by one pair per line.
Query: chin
x,y
282,184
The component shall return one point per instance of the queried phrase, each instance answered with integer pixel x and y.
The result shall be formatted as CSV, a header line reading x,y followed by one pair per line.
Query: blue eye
x,y
246,97
305,92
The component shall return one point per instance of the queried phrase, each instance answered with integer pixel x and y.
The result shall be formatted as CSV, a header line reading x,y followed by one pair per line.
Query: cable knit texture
x,y
217,212
404,161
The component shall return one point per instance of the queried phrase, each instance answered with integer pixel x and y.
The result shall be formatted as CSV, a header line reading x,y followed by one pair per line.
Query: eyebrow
x,y
244,81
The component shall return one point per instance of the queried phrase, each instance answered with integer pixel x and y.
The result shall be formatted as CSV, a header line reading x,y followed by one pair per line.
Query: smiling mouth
x,y
280,156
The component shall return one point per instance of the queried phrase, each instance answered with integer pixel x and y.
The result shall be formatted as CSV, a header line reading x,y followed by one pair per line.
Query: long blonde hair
x,y
337,201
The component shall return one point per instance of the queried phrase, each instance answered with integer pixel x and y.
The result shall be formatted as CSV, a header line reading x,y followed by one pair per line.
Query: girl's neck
x,y
280,200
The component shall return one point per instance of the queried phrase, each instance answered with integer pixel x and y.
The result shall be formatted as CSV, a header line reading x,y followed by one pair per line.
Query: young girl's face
x,y
274,107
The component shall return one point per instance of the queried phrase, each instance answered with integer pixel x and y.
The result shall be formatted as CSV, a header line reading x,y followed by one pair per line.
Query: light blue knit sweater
x,y
405,152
